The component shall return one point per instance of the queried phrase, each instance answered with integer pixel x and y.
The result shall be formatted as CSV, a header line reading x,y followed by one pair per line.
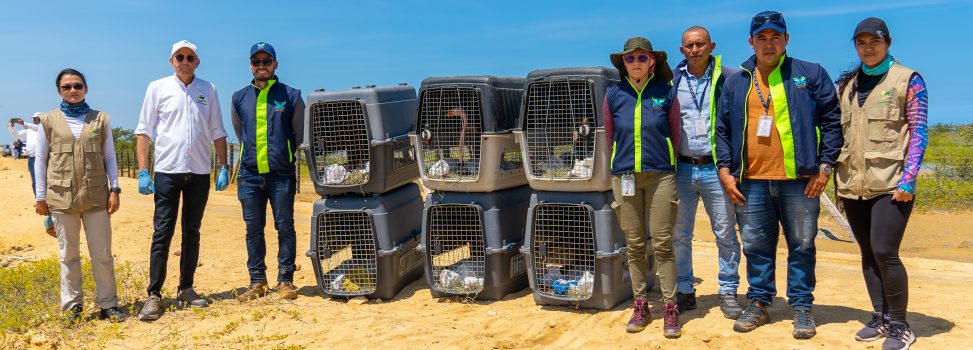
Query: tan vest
x,y
76,176
876,138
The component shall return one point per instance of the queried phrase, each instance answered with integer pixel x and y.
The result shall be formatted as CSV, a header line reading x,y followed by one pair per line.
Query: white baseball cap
x,y
181,44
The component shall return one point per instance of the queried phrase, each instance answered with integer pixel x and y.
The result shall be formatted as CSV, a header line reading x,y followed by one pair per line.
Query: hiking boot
x,y
686,301
670,317
152,308
640,316
754,316
874,329
730,306
189,296
75,314
286,290
804,327
113,314
254,291
900,336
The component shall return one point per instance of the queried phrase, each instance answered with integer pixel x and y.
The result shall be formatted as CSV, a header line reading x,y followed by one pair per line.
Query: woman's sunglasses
x,y
189,58
631,58
76,86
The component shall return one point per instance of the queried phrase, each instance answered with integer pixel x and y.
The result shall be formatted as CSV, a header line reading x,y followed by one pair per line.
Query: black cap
x,y
874,26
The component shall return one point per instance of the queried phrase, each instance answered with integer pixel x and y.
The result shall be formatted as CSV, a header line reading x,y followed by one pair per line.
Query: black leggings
x,y
879,224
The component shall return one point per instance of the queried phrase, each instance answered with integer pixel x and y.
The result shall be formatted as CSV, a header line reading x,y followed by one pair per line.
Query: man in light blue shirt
x,y
698,81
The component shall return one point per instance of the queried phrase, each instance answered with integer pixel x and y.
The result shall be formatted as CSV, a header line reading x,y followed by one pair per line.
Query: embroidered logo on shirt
x,y
279,106
201,99
657,103
800,82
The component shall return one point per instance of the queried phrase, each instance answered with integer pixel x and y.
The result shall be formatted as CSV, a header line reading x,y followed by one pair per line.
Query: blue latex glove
x,y
222,180
145,182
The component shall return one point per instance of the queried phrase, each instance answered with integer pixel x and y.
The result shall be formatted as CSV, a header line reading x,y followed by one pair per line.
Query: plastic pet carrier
x,y
366,245
575,251
472,241
357,140
561,129
462,133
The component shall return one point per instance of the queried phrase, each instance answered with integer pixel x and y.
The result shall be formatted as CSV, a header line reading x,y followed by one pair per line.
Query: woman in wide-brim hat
x,y
639,124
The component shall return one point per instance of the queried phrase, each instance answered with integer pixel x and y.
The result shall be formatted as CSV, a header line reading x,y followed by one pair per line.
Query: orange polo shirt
x,y
765,155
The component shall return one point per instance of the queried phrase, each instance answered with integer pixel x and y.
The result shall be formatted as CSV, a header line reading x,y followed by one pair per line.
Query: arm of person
x,y
675,123
40,173
111,167
31,126
145,131
13,131
829,125
216,130
916,114
235,120
724,156
297,121
609,123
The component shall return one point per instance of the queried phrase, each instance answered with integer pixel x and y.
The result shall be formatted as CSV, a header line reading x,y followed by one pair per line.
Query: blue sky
x,y
123,45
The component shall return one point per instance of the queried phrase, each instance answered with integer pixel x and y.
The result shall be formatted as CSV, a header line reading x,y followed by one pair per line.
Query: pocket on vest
x,y
59,194
883,170
883,127
98,191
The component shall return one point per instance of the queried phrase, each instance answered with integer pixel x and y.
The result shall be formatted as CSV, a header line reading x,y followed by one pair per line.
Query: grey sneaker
x,y
875,329
730,306
754,316
804,327
900,336
151,309
189,296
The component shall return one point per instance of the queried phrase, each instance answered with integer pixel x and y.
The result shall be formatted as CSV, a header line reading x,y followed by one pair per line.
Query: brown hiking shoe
x,y
670,316
640,316
754,316
254,291
286,290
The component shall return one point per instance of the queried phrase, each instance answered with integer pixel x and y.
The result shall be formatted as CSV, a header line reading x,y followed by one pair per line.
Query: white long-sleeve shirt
x,y
44,149
27,135
184,120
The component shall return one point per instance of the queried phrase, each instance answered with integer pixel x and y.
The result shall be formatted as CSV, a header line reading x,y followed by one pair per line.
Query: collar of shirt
x,y
706,75
253,82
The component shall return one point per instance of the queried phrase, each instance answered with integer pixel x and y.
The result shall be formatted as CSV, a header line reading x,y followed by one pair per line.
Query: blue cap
x,y
768,20
263,47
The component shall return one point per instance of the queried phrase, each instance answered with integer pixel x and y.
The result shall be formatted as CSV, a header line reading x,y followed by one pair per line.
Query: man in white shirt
x,y
181,113
28,135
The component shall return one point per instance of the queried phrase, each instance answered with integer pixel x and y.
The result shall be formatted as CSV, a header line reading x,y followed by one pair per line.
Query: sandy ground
x,y
938,253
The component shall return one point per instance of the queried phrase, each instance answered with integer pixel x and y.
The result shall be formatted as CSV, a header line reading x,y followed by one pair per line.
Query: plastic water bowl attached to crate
x,y
357,140
561,132
462,133
365,245
575,251
471,242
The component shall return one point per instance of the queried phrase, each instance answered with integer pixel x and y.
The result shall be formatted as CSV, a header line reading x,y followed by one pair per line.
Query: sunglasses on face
x,y
631,58
258,62
189,58
75,86
774,17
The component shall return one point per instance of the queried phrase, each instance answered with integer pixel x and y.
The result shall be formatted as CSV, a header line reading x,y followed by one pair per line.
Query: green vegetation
x,y
946,179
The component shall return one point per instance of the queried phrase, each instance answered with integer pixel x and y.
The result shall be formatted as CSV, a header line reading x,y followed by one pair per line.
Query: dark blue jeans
x,y
254,191
30,169
194,190
768,206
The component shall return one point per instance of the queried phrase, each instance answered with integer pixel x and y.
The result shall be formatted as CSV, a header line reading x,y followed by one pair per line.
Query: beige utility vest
x,y
76,178
876,138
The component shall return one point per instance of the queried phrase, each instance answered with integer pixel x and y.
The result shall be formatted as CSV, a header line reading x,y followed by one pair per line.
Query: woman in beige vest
x,y
883,118
77,182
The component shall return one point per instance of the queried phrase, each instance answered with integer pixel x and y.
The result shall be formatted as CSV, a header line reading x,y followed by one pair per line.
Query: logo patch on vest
x,y
887,96
279,106
657,103
800,82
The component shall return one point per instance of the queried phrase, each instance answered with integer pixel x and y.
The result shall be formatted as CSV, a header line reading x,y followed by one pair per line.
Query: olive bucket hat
x,y
662,70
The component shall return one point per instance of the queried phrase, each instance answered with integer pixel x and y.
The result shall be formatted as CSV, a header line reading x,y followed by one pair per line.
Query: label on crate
x,y
408,261
517,266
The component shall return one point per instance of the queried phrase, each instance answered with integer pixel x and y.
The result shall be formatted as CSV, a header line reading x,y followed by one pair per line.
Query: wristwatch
x,y
826,168
116,190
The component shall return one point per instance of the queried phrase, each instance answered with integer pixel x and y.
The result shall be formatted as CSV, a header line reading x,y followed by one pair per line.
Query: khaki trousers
x,y
97,231
655,199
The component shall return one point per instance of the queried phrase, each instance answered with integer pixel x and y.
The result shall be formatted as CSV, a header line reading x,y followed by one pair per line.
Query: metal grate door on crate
x,y
340,143
563,249
560,129
449,133
346,248
456,248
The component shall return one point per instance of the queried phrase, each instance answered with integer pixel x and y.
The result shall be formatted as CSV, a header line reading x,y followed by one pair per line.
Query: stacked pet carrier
x,y
574,246
473,224
365,228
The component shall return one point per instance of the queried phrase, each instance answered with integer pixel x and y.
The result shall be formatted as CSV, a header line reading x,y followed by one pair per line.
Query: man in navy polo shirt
x,y
268,118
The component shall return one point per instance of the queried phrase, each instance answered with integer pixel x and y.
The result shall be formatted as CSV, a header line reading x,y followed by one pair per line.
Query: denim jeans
x,y
30,169
768,206
254,191
692,183
194,190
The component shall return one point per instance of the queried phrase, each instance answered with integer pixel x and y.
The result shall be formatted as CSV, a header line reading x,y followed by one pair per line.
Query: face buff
x,y
881,68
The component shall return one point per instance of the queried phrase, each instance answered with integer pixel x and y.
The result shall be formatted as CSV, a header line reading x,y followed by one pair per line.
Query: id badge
x,y
628,185
763,128
701,127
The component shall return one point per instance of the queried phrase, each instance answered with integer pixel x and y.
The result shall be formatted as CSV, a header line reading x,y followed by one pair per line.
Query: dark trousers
x,y
194,189
254,191
30,169
879,225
